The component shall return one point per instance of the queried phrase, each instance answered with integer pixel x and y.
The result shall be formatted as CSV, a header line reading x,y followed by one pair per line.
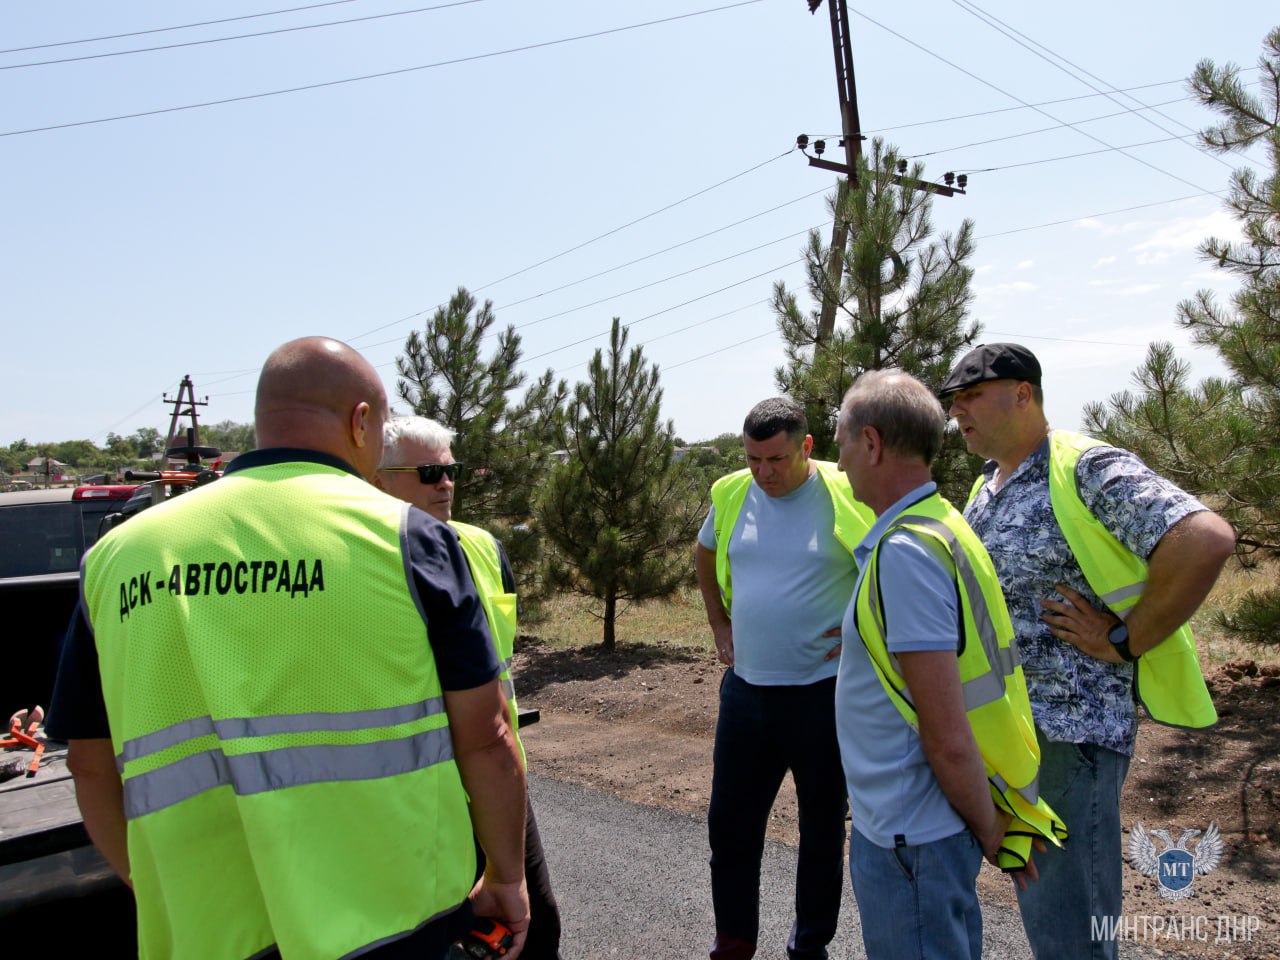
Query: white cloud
x,y
1138,289
1089,223
1018,286
1025,264
1184,234
1103,261
985,268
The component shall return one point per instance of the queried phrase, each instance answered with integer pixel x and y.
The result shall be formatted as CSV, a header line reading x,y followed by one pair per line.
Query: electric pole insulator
x,y
819,146
963,180
802,141
949,178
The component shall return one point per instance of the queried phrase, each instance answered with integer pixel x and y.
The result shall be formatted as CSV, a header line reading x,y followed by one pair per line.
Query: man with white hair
x,y
418,467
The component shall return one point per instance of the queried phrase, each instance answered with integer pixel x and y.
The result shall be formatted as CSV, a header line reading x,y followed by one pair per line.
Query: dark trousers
x,y
762,733
544,913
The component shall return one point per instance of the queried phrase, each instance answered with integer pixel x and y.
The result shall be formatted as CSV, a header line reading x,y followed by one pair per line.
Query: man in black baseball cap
x,y
993,361
1100,560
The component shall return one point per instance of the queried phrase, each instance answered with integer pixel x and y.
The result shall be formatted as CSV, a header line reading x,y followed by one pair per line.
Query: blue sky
x,y
195,241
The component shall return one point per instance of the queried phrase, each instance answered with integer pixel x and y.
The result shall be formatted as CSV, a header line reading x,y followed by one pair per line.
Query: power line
x,y
794,262
1092,216
988,113
1095,343
654,283
674,246
632,223
1038,226
1041,103
184,26
1028,133
148,402
1086,153
377,76
1009,31
1025,103
240,36
609,233
672,333
596,336
731,346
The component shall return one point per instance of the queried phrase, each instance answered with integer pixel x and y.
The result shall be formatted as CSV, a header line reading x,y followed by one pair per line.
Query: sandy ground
x,y
638,723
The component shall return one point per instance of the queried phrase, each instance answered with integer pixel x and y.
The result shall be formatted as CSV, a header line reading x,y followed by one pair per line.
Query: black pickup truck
x,y
45,855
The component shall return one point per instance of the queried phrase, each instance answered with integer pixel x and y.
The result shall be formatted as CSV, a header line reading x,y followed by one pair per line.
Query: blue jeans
x,y
1082,782
761,733
918,902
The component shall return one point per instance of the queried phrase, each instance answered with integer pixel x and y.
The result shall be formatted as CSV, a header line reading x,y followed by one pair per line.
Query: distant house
x,y
38,465
47,470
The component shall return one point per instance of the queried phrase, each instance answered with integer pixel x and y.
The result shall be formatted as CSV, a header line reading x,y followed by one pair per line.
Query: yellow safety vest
x,y
852,518
994,690
278,720
499,606
1167,678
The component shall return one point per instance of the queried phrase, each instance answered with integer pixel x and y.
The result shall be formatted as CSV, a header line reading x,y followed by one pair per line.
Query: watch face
x,y
1119,637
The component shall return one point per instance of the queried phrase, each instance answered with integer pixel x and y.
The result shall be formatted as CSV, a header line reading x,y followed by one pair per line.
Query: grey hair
x,y
903,410
421,430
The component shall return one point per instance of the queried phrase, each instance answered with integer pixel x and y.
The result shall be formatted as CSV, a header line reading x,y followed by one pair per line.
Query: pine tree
x,y
903,301
502,439
1218,439
621,514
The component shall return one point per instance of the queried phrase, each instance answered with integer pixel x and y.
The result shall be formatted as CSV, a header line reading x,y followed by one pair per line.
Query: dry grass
x,y
1215,646
568,620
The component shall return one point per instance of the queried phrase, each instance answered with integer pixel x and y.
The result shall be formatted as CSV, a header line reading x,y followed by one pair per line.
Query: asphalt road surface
x,y
633,884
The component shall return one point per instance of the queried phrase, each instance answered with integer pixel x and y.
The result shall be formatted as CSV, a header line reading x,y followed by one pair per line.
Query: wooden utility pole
x,y
850,127
184,405
851,140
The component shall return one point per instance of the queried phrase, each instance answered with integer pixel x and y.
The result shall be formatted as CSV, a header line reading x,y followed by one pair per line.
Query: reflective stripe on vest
x,y
278,768
1167,678
852,518
993,688
250,724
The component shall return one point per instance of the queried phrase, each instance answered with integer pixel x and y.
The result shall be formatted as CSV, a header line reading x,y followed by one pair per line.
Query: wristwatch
x,y
1119,637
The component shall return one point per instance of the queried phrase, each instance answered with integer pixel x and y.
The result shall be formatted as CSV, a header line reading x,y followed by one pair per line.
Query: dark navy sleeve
x,y
77,711
456,624
508,575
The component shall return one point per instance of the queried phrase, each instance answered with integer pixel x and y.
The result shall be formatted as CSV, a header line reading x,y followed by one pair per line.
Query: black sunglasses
x,y
429,473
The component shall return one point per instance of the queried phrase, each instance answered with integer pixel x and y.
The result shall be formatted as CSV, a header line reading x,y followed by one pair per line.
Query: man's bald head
x,y
319,394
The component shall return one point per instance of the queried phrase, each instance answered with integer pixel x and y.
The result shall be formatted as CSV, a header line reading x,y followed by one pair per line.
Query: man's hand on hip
x,y
834,652
1081,625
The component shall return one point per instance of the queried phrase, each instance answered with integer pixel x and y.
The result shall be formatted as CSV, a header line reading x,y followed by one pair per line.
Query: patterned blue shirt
x,y
1074,698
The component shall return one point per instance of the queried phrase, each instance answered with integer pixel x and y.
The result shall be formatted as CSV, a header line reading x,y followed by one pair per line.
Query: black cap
x,y
993,361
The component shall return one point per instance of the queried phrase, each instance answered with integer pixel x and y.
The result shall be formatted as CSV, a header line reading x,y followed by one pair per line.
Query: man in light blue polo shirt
x,y
775,568
923,814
